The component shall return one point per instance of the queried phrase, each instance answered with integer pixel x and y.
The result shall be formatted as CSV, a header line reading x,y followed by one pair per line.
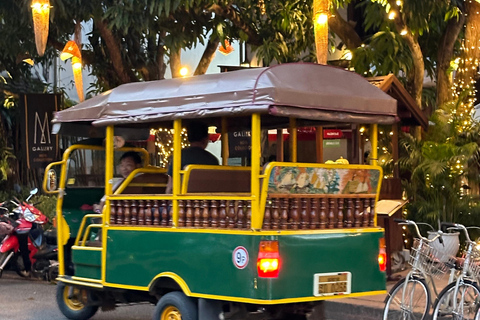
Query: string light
x,y
164,143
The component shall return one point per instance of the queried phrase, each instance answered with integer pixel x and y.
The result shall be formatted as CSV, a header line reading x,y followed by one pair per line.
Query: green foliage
x,y
443,172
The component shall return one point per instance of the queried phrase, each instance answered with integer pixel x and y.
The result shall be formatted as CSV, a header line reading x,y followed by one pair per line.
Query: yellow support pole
x,y
374,140
255,177
224,141
109,165
293,139
177,153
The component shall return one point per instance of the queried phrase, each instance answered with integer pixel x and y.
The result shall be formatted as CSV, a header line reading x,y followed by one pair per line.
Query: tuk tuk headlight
x,y
28,215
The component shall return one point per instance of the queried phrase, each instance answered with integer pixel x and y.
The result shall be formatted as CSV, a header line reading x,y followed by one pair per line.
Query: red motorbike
x,y
27,222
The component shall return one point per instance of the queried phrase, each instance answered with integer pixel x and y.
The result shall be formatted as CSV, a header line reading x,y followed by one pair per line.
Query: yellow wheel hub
x,y
73,300
171,313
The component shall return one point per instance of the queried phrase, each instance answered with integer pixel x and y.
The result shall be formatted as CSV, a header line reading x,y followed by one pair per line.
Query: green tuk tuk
x,y
274,237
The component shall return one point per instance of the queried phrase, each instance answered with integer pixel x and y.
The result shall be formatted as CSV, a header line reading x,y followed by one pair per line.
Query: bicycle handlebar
x,y
458,226
413,223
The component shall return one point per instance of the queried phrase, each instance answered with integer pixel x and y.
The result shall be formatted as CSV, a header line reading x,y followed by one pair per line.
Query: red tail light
x,y
268,262
382,256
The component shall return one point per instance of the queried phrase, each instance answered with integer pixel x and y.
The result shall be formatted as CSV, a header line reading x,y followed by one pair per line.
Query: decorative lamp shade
x,y
70,50
320,9
227,49
41,16
77,76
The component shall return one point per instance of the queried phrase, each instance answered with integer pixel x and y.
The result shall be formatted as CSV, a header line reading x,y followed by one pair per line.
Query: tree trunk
x,y
471,53
175,62
418,71
207,57
161,56
445,56
112,44
345,31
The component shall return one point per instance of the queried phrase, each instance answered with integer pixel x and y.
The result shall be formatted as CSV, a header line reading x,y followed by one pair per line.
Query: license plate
x,y
329,284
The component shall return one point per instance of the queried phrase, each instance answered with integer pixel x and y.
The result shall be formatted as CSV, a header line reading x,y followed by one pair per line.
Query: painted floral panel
x,y
306,180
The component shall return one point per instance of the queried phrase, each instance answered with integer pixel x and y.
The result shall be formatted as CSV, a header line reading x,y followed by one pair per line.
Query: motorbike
x,y
27,219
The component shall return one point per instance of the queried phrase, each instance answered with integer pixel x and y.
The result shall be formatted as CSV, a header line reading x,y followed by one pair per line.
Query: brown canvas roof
x,y
302,90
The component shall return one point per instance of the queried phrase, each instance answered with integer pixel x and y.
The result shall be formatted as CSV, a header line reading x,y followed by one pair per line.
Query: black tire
x,y
176,305
417,306
72,307
18,265
468,292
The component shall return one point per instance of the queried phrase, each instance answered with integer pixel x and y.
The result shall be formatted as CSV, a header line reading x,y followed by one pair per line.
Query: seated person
x,y
195,154
128,162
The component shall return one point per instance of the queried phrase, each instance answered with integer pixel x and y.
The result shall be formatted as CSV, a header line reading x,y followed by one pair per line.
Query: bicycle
x,y
459,299
410,297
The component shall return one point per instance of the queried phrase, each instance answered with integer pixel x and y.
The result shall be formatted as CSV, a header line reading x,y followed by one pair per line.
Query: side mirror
x,y
34,191
52,181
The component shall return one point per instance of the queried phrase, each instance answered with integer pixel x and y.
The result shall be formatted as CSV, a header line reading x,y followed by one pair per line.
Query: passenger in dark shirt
x,y
195,154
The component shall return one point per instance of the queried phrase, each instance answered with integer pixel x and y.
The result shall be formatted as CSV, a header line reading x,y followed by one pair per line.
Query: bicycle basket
x,y
427,259
474,265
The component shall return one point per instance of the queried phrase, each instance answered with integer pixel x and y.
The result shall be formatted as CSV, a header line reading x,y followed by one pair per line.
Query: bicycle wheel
x,y
415,304
462,305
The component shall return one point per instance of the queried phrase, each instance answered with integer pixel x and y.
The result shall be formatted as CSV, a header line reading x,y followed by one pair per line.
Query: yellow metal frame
x,y
257,197
132,175
268,171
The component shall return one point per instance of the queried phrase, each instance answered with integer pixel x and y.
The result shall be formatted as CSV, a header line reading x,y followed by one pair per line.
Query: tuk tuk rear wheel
x,y
70,302
176,306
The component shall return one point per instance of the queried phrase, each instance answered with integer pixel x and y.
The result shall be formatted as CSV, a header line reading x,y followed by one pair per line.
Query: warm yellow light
x,y
322,18
391,15
403,32
183,71
348,55
362,129
41,16
77,76
399,3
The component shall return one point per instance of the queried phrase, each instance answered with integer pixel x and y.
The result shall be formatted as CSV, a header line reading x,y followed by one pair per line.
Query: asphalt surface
x,y
32,299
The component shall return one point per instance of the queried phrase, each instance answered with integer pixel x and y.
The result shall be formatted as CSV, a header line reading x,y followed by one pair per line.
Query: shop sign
x,y
332,134
40,144
332,143
239,144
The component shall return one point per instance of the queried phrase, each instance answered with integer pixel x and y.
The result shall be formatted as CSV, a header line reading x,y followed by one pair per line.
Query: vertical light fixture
x,y
41,16
320,9
71,50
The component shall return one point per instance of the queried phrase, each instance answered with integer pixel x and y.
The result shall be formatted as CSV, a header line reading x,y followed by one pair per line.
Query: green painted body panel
x,y
204,261
72,203
87,263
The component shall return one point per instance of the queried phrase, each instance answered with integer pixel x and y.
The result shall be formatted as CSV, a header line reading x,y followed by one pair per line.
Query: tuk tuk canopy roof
x,y
301,90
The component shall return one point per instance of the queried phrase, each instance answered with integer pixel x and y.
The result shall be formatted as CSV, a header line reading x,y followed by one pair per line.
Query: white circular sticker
x,y
240,257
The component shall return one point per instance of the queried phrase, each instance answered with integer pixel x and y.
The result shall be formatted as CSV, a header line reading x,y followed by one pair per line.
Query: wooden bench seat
x,y
215,179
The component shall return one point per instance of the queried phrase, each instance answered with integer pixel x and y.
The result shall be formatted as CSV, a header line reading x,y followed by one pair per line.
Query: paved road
x,y
22,299
32,299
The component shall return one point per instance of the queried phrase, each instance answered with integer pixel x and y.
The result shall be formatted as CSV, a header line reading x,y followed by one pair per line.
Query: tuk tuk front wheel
x,y
176,306
70,302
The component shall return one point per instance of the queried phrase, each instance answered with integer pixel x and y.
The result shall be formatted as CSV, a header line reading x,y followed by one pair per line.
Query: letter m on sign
x,y
42,128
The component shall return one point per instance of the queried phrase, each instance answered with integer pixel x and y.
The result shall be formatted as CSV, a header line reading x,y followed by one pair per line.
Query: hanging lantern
x,y
41,15
70,50
227,49
320,8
